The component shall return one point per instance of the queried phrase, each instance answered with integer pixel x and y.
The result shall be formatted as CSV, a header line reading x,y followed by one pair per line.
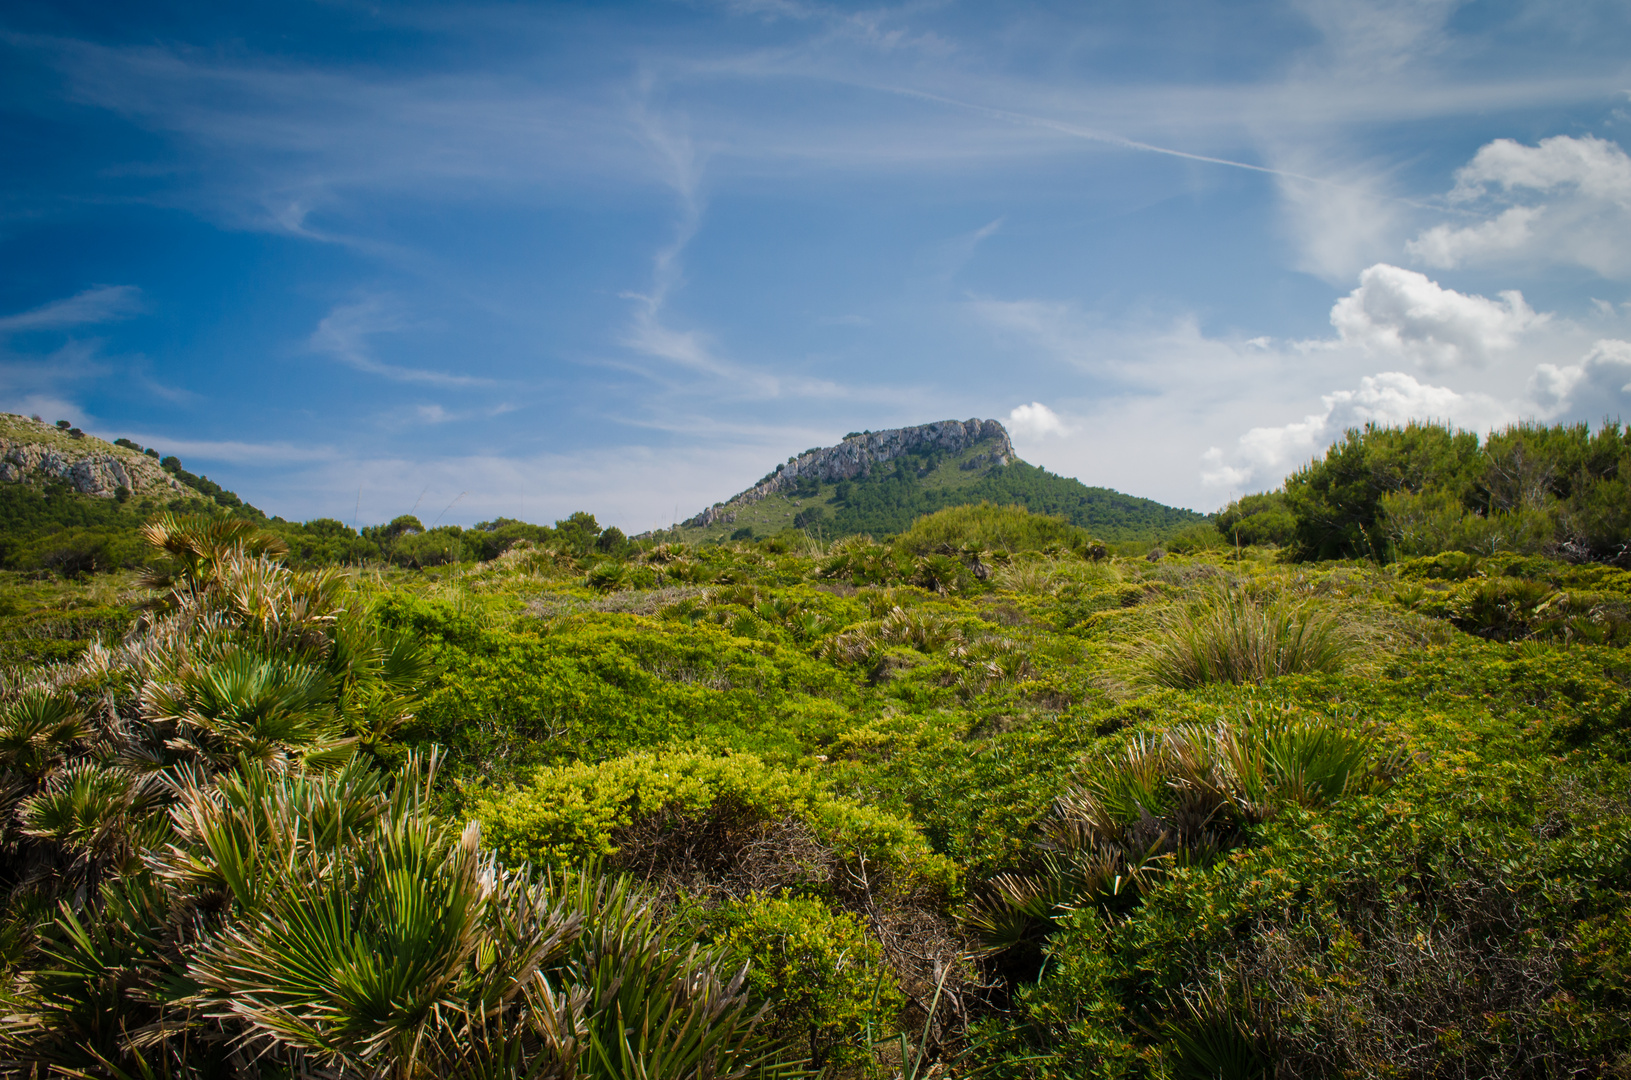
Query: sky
x,y
472,260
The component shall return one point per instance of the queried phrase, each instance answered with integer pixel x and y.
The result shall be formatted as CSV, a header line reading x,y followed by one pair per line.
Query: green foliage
x,y
577,812
983,525
1435,521
1425,488
1210,814
1264,520
819,973
507,700
1337,500
198,861
1192,539
1180,798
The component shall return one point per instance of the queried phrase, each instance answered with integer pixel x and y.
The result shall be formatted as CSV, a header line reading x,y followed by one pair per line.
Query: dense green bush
x,y
1337,500
71,552
508,700
819,973
985,526
1425,488
577,812
1264,520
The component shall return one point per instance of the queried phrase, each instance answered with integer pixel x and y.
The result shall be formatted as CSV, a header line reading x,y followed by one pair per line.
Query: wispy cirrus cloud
x,y
101,304
345,334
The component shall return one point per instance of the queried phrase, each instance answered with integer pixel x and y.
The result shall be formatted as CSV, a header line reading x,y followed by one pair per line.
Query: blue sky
x,y
472,260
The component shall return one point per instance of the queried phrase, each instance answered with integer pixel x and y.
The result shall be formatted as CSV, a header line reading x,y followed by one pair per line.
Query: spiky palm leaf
x,y
655,1011
242,705
196,544
36,730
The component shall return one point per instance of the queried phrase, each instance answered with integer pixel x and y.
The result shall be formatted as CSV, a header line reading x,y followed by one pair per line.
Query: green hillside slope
x,y
923,481
72,502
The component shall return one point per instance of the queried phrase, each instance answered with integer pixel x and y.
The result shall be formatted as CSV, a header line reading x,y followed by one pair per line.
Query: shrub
x,y
822,977
1258,519
579,811
76,552
1337,499
1431,522
1011,528
1194,538
608,576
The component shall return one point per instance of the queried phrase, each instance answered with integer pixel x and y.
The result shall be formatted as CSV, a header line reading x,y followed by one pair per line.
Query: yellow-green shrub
x,y
829,990
572,812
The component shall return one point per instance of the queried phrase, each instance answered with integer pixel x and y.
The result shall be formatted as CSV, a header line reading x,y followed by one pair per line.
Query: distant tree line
x,y
1394,492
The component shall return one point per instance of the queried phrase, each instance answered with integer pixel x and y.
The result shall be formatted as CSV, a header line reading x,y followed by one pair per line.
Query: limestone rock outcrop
x,y
34,451
858,455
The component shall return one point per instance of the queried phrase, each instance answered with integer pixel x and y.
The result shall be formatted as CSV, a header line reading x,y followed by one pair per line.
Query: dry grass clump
x,y
917,629
1033,576
1232,637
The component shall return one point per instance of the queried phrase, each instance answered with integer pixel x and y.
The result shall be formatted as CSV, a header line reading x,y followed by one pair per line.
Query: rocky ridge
x,y
859,454
33,451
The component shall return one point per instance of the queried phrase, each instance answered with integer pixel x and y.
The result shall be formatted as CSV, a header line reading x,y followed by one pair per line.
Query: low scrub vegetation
x,y
984,798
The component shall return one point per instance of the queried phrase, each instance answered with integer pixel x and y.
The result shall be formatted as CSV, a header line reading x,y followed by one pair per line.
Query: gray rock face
x,y
99,470
858,455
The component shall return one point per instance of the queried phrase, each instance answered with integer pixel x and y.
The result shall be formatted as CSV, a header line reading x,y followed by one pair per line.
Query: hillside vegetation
x,y
983,799
885,500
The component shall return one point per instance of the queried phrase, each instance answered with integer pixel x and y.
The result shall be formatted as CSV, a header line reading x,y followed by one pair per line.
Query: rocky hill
x,y
878,482
862,452
35,453
41,461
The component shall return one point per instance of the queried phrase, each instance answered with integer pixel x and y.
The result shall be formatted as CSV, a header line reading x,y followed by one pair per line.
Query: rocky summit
x,y
33,451
859,454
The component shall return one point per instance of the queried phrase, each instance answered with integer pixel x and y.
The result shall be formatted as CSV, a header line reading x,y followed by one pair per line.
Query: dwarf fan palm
x,y
196,546
36,731
244,705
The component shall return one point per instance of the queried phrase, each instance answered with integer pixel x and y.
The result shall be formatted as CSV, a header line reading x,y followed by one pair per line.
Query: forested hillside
x,y
884,498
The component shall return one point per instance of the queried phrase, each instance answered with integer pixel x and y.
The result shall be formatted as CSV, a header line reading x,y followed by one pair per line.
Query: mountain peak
x,y
861,452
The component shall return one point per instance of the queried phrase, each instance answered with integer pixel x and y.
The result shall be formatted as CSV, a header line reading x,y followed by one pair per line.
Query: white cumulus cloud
x,y
1406,314
1599,384
1565,199
1264,454
1035,421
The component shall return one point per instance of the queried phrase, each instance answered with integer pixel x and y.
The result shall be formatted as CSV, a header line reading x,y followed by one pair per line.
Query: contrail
x,y
1112,139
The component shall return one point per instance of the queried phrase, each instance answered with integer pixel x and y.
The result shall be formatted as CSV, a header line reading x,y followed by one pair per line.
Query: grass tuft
x,y
1232,638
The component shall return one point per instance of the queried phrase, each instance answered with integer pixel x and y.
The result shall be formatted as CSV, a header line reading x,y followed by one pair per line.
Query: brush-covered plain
x,y
983,798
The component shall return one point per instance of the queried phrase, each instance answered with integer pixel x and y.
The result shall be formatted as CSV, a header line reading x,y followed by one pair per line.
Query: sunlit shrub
x,y
578,811
1011,528
818,971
